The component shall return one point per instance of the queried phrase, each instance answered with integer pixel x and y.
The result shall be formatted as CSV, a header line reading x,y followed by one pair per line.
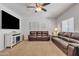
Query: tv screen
x,y
9,21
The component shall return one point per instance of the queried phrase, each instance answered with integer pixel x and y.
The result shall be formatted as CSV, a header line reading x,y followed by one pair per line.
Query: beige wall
x,y
50,24
3,31
72,12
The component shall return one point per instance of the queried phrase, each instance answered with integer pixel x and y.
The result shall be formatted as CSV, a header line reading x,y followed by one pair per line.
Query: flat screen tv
x,y
9,21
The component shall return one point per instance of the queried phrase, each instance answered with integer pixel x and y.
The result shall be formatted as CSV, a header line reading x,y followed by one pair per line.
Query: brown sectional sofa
x,y
39,36
68,42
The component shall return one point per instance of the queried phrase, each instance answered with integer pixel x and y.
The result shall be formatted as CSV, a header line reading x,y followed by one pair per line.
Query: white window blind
x,y
68,25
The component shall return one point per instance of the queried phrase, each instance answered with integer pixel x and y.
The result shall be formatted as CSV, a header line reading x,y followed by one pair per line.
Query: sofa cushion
x,y
65,38
60,37
38,36
67,34
39,33
75,36
63,43
45,33
61,33
74,41
74,44
44,36
33,33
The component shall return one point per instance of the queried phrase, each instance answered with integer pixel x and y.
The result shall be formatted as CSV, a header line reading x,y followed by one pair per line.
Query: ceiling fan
x,y
39,6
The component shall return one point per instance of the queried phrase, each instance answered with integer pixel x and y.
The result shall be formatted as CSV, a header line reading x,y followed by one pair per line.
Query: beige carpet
x,y
33,48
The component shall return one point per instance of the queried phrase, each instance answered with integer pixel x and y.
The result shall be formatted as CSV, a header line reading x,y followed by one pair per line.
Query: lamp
x,y
56,31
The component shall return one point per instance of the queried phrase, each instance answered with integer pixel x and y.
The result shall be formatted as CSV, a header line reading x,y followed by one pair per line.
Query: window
x,y
68,25
37,26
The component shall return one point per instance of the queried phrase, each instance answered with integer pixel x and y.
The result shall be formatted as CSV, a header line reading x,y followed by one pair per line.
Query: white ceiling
x,y
53,9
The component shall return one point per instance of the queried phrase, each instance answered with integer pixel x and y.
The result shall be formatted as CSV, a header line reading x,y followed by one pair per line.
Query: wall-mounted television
x,y
9,21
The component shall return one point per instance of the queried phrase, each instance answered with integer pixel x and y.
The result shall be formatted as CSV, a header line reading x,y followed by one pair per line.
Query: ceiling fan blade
x,y
45,4
30,7
36,4
44,9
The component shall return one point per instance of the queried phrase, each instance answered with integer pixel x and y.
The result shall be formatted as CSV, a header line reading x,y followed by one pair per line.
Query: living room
x,y
49,22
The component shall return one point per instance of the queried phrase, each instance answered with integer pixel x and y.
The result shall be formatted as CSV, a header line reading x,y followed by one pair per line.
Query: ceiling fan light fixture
x,y
38,9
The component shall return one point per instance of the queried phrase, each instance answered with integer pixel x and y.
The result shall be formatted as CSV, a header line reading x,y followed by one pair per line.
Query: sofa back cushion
x,y
60,33
64,35
33,32
44,33
39,33
73,41
67,34
75,36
